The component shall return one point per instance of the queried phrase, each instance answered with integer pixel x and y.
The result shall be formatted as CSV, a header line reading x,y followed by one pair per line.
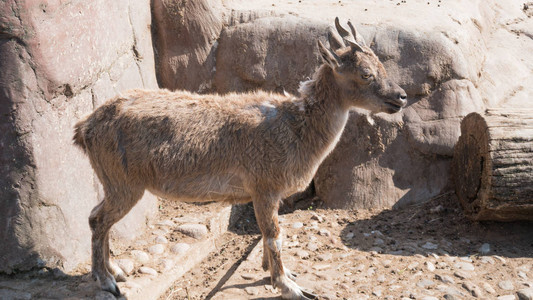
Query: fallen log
x,y
493,165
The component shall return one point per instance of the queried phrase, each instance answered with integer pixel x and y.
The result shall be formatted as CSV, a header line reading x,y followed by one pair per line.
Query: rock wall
x,y
452,58
59,61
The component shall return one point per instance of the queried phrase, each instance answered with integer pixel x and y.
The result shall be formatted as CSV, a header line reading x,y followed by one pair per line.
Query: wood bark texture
x,y
493,165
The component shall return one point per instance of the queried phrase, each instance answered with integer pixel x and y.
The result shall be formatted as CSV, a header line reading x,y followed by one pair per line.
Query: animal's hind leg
x,y
114,206
266,212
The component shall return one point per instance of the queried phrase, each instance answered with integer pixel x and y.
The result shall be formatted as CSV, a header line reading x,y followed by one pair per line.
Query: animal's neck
x,y
326,115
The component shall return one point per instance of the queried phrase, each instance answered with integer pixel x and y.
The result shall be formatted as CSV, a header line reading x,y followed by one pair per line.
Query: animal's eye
x,y
366,76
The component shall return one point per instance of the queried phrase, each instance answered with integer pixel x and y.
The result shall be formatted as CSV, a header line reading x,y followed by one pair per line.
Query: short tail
x,y
79,137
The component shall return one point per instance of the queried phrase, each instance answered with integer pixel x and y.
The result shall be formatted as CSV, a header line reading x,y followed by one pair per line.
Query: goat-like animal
x,y
258,147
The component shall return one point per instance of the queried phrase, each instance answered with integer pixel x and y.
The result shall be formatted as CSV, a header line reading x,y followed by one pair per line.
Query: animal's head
x,y
359,74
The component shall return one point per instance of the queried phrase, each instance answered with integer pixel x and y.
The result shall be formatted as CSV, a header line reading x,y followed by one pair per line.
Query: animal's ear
x,y
328,56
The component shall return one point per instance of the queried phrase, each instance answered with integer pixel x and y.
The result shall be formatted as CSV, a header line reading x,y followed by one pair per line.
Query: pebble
x,y
379,241
140,256
487,260
302,254
349,235
381,278
525,294
522,275
484,249
445,279
412,265
325,256
167,264
506,297
161,231
501,259
196,231
312,246
430,246
424,283
249,276
324,232
472,288
156,249
161,239
462,275
466,266
386,263
506,285
450,297
126,265
429,298
321,267
297,225
488,288
147,271
180,248
317,217
187,219
250,290
377,293
430,266
168,223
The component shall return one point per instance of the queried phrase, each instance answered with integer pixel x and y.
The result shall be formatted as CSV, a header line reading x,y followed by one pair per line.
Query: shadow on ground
x,y
439,227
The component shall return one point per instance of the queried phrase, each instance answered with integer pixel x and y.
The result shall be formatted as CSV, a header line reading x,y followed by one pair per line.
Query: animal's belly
x,y
203,188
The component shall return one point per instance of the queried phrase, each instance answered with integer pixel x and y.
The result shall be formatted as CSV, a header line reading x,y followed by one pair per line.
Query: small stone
x,y
525,294
126,265
196,231
156,249
250,290
377,293
180,248
321,267
381,278
462,275
488,288
140,256
349,235
161,231
297,225
325,256
379,241
501,259
167,264
386,263
302,254
248,276
445,279
521,274
506,297
450,297
168,223
424,283
317,217
187,219
472,288
324,232
487,260
312,246
506,285
147,271
429,298
484,249
430,246
161,239
430,266
464,266
412,265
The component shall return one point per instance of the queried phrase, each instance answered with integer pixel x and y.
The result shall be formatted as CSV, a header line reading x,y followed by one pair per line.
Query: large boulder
x,y
451,57
59,61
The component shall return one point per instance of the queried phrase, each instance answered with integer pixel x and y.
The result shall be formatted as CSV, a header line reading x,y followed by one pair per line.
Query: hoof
x,y
121,277
109,285
290,274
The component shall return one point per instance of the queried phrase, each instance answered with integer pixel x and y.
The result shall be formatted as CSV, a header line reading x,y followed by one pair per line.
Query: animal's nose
x,y
402,97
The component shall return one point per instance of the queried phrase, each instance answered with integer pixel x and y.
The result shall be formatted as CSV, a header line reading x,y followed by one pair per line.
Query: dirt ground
x,y
430,251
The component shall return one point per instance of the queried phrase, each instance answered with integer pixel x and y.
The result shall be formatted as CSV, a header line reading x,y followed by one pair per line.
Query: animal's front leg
x,y
266,212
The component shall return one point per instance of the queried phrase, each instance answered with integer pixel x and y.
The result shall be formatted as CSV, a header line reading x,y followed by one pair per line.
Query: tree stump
x,y
493,165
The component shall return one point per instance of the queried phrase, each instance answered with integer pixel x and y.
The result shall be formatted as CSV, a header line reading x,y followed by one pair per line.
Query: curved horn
x,y
357,37
343,32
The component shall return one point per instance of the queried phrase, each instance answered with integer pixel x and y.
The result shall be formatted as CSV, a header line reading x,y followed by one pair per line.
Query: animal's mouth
x,y
396,107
